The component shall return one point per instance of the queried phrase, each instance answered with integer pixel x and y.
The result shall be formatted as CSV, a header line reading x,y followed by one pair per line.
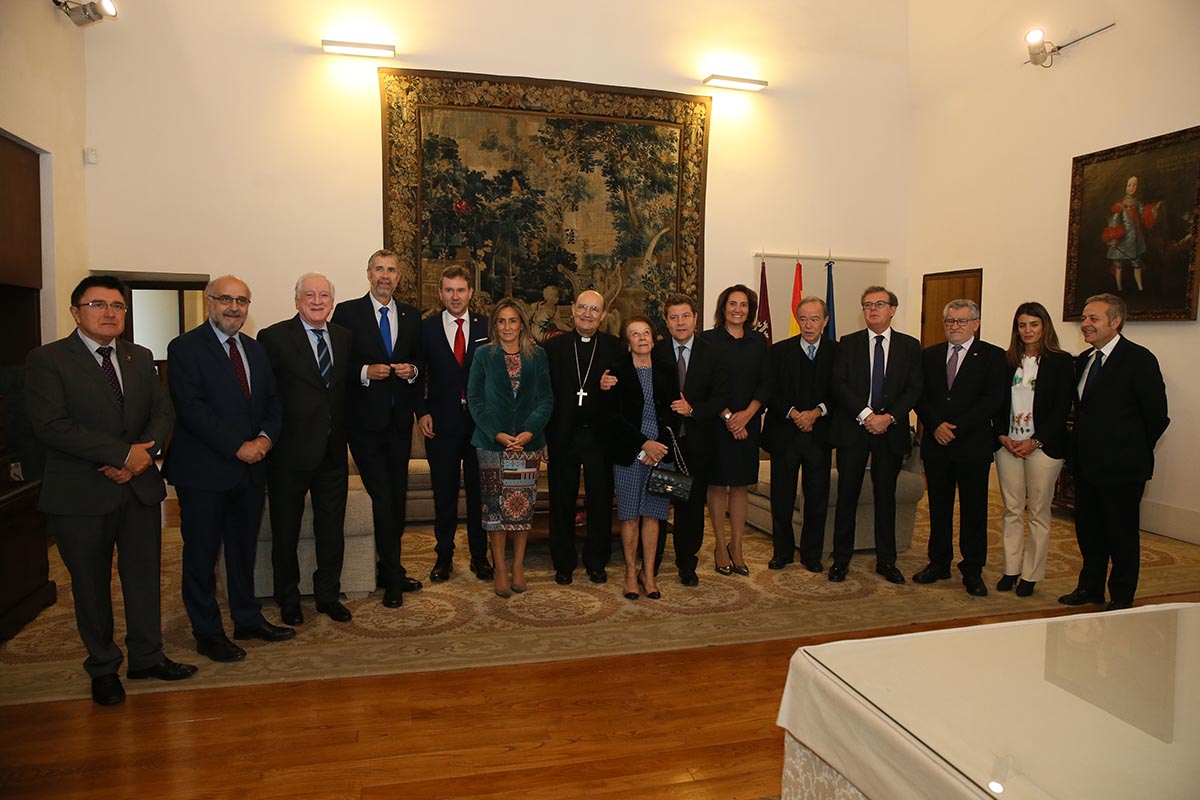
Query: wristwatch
x,y
1037,443
728,415
641,455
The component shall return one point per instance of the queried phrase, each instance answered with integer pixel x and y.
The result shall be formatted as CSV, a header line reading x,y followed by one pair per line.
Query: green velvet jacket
x,y
494,407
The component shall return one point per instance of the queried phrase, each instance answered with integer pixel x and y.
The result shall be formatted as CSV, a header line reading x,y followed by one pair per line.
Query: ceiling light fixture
x,y
359,49
1042,52
729,82
83,14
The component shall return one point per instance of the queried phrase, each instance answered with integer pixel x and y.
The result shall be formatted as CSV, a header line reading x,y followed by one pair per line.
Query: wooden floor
x,y
687,724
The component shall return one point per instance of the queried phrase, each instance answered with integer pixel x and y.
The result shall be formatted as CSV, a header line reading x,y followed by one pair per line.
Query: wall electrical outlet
x,y
90,155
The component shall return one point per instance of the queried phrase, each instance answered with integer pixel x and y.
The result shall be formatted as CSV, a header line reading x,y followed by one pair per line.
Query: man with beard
x,y
385,357
580,364
229,415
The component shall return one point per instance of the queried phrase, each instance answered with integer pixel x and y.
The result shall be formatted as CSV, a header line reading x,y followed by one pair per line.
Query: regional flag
x,y
763,324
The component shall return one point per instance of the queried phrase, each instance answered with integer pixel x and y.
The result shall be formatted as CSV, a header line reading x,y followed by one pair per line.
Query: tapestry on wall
x,y
543,189
1133,227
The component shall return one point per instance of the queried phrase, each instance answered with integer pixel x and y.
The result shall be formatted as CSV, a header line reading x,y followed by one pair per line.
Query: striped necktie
x,y
324,359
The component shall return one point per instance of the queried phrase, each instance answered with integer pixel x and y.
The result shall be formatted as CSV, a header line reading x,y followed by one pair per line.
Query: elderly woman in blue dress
x,y
508,394
639,440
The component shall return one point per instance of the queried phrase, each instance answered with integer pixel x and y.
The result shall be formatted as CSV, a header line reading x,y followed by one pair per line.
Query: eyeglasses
x,y
957,323
101,305
583,307
867,306
227,300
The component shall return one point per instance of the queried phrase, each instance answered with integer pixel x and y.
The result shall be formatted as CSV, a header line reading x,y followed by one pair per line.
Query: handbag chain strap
x,y
678,452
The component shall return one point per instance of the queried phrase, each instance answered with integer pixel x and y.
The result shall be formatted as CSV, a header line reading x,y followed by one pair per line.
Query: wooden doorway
x,y
939,288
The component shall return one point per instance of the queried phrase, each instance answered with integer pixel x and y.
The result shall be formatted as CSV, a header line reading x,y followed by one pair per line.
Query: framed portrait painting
x,y
1133,227
544,189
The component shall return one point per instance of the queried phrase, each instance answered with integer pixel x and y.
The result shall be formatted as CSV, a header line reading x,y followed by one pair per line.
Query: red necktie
x,y
460,343
238,367
460,349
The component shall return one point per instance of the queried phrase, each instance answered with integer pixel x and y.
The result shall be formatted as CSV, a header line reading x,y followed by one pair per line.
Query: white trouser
x,y
1026,482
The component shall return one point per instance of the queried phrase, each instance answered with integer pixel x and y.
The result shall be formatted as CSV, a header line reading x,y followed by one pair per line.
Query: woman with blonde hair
x,y
508,395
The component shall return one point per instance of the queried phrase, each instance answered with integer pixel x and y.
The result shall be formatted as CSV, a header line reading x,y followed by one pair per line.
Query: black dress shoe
x,y
813,565
407,584
1006,583
393,598
335,611
1025,588
655,595
563,578
631,595
1117,605
482,569
291,614
165,670
107,690
219,648
1080,597
931,574
598,575
266,632
441,569
837,574
975,586
778,563
689,578
889,573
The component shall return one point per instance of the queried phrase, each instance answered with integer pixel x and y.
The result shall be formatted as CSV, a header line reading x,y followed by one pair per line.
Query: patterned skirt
x,y
508,489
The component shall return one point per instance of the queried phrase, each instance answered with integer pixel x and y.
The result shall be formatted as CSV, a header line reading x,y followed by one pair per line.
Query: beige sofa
x,y
910,487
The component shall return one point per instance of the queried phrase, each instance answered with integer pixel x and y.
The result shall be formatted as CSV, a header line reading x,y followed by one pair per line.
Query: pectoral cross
x,y
581,394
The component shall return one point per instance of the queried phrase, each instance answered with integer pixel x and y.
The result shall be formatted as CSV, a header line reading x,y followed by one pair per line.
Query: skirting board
x,y
1178,523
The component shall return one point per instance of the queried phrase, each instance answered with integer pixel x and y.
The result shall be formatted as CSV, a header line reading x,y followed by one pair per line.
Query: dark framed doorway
x,y
939,288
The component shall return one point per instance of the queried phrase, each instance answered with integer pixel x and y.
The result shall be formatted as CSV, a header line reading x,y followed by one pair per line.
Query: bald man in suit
x,y
96,404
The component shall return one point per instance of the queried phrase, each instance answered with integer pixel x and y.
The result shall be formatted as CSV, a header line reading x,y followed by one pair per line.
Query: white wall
x,y
992,144
42,105
228,142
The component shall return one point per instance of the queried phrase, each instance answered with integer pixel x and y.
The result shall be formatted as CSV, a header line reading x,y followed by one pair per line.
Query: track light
x,y
83,14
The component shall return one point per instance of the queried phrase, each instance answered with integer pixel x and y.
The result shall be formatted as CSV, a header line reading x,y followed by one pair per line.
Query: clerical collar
x,y
582,338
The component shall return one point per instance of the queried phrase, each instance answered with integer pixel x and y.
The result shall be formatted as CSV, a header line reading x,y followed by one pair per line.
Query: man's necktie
x,y
812,352
460,343
952,366
385,330
681,366
235,357
1094,371
324,359
877,374
110,372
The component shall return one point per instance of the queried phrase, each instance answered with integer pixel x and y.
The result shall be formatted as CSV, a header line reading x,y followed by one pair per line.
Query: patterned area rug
x,y
461,623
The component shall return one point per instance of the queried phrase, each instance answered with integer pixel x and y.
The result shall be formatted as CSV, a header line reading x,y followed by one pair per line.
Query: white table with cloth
x,y
1102,705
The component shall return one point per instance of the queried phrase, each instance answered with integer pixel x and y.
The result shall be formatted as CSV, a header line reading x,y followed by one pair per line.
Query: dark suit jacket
x,y
309,408
493,406
75,414
802,384
704,388
444,381
625,429
979,392
1120,417
565,382
214,416
852,388
1053,395
371,407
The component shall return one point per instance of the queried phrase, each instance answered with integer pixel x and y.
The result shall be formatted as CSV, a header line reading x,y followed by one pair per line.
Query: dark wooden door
x,y
939,288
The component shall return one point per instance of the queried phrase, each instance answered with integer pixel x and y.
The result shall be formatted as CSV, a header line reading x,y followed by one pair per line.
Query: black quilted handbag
x,y
668,482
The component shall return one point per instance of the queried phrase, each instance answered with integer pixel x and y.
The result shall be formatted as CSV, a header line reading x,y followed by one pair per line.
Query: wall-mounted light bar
x,y
729,82
359,49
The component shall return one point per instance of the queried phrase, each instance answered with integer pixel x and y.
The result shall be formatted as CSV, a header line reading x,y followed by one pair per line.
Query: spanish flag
x,y
797,295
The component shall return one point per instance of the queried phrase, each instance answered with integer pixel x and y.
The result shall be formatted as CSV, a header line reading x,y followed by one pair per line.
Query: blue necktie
x,y
812,352
877,375
324,359
385,330
1093,371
